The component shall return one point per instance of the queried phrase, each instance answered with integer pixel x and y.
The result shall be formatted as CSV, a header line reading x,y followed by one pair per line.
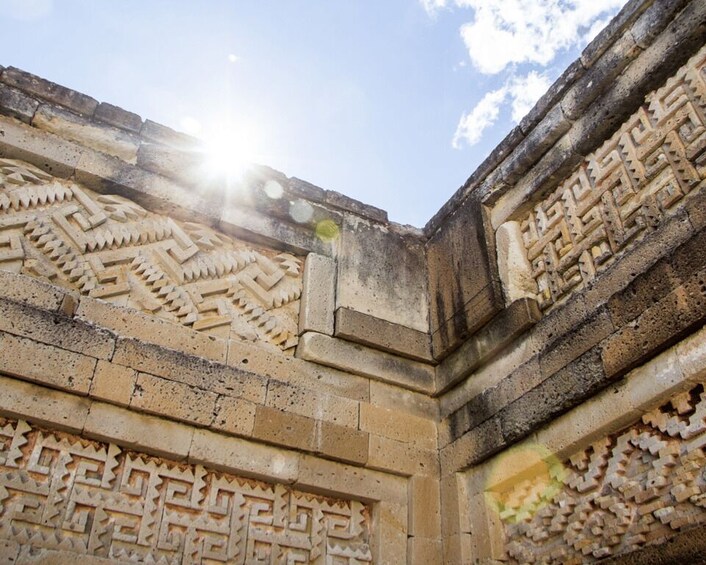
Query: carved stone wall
x,y
625,491
623,190
108,247
58,491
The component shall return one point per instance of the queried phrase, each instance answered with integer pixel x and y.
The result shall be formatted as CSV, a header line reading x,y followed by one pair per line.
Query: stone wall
x,y
201,369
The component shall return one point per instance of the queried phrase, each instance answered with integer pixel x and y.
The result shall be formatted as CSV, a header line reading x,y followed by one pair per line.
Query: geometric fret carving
x,y
623,190
108,247
628,490
62,492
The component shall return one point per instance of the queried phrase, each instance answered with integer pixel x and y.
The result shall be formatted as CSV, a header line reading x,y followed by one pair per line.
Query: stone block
x,y
55,329
511,322
351,205
381,334
190,370
183,165
318,298
117,117
268,363
69,126
342,443
17,104
312,404
331,478
113,383
524,378
391,519
401,458
657,328
692,356
654,19
45,364
575,343
555,395
390,283
30,291
173,400
424,551
513,266
149,329
234,416
390,396
424,507
152,131
285,428
143,433
367,362
50,91
457,549
47,151
44,556
8,551
51,408
243,457
476,445
399,426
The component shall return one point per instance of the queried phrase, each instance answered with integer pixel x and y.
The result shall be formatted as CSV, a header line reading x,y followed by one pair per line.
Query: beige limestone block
x,y
424,551
173,400
312,404
42,405
401,458
244,457
458,549
304,374
30,291
113,383
390,396
69,126
8,551
318,295
691,354
398,426
391,519
331,478
367,362
55,329
45,364
283,428
150,434
234,415
424,507
33,556
131,323
342,443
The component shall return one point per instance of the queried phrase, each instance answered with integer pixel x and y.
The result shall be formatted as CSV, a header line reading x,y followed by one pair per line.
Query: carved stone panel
x,y
62,492
626,491
108,247
623,190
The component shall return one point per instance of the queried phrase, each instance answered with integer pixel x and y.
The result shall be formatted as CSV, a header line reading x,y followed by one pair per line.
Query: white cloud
x,y
520,92
506,32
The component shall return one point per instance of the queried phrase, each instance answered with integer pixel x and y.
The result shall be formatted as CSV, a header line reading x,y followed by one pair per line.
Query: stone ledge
x,y
381,334
367,362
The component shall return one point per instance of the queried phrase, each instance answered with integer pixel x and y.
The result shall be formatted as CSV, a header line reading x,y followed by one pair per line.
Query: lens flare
x,y
327,231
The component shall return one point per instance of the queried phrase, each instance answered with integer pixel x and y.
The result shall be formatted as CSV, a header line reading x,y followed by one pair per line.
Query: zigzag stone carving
x,y
623,190
59,491
108,247
626,491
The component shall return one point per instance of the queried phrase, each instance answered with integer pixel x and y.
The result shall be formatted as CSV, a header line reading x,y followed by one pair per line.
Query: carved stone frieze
x,y
108,247
62,492
627,490
623,190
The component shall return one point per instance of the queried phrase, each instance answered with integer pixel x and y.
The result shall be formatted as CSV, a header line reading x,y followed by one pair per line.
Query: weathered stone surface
x,y
424,508
367,362
30,291
318,295
158,133
346,203
182,165
115,116
393,397
17,104
390,283
49,91
75,128
342,443
401,458
285,428
234,416
398,426
312,403
45,364
381,334
113,383
514,269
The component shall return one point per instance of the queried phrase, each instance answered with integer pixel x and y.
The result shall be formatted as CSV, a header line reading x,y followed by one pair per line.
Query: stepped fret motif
x,y
108,247
623,190
626,491
58,491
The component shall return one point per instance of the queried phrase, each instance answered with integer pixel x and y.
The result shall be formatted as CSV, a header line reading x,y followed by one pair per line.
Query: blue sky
x,y
392,102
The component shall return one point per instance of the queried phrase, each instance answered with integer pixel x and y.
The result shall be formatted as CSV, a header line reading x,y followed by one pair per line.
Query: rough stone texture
x,y
115,116
318,295
390,283
17,104
382,334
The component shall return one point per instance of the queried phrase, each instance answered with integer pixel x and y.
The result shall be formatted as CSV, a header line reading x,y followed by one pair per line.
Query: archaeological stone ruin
x,y
193,372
